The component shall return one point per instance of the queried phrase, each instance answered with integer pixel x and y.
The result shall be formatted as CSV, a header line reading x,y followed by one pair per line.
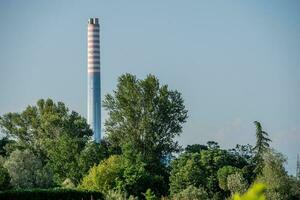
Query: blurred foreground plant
x,y
256,192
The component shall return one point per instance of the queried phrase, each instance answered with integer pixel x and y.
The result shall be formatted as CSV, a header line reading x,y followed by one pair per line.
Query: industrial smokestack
x,y
94,79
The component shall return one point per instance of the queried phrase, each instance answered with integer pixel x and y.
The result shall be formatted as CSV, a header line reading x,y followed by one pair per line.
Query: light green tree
x,y
274,176
125,173
149,195
192,193
236,183
27,171
105,176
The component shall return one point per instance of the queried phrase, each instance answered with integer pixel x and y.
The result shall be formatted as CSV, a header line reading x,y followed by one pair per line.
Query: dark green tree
x,y
146,114
4,178
55,135
91,155
262,145
4,143
213,145
201,170
195,148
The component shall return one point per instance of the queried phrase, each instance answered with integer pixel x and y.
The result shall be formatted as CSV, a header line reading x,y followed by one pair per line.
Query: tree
x,y
63,159
200,170
105,176
185,171
262,145
4,142
274,176
195,148
192,193
213,145
27,171
244,151
53,134
147,114
91,155
47,120
119,172
4,178
223,174
236,183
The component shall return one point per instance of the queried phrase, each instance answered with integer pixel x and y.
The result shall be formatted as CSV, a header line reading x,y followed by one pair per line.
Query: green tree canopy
x,y
55,135
223,174
195,148
33,127
201,169
146,114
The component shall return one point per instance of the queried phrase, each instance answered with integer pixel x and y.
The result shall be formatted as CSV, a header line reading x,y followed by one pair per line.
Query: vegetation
x,y
256,192
50,194
48,146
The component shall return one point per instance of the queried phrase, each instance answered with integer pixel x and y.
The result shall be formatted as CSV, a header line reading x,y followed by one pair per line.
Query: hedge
x,y
50,194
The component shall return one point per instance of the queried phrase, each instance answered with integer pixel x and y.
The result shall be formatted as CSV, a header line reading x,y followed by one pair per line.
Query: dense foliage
x,y
145,114
50,194
48,146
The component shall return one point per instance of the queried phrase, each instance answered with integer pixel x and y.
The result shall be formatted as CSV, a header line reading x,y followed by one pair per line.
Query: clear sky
x,y
233,61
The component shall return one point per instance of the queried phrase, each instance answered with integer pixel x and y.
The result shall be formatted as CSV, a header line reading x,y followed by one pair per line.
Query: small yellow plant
x,y
256,192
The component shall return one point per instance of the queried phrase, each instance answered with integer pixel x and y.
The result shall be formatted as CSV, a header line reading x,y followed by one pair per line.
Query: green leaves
x,y
53,134
145,114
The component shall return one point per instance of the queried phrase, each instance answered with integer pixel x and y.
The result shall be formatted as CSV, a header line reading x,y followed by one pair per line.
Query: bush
x,y
50,194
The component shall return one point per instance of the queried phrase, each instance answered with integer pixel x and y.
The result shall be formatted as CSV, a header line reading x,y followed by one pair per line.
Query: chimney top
x,y
93,21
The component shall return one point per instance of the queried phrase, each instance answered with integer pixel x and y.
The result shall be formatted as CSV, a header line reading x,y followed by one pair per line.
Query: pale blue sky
x,y
233,61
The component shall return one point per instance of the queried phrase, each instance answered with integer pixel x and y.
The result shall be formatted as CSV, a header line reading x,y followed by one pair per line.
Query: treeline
x,y
48,146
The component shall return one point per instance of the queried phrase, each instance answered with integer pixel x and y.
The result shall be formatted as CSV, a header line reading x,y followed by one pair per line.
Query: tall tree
x,y
262,145
146,114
